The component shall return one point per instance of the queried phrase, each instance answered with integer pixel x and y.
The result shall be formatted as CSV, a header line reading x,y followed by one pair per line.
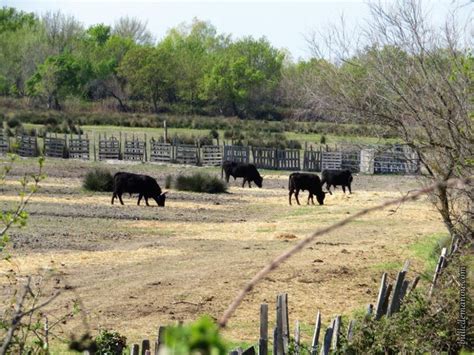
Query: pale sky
x,y
283,23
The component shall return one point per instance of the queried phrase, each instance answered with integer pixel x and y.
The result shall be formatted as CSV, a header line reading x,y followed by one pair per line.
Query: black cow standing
x,y
309,182
247,171
337,178
145,186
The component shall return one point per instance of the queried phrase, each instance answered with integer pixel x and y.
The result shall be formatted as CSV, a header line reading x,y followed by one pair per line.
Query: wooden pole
x,y
263,342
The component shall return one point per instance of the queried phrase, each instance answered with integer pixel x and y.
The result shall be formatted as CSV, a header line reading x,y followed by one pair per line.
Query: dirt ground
x,y
134,267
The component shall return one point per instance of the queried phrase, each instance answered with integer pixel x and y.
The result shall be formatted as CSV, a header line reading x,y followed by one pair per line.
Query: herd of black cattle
x,y
146,187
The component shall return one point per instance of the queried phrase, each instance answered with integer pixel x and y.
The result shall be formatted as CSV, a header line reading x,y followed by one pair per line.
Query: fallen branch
x,y
300,245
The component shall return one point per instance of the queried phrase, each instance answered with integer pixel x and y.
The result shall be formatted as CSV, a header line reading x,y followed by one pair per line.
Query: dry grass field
x,y
136,267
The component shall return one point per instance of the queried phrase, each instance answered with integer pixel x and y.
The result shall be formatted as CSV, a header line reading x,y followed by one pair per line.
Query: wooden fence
x,y
186,154
381,160
134,149
389,299
79,147
4,142
27,146
312,160
211,155
54,146
239,154
109,148
161,152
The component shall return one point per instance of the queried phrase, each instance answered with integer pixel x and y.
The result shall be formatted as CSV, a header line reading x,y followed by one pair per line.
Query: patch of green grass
x,y
428,248
266,229
302,211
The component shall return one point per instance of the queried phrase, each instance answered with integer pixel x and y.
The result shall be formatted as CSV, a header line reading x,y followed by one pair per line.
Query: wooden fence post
x,y
397,291
286,325
135,350
278,340
439,267
297,338
350,330
336,331
145,346
317,329
160,339
326,345
381,296
263,341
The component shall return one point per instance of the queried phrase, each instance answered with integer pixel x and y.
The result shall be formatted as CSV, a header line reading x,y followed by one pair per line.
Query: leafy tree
x,y
192,47
57,77
23,48
243,76
149,72
12,19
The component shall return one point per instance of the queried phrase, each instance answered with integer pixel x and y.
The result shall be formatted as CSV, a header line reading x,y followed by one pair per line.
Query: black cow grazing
x,y
309,182
337,178
143,185
247,171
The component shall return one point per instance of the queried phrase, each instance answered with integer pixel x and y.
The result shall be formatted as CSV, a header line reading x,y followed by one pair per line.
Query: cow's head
x,y
160,200
258,181
320,197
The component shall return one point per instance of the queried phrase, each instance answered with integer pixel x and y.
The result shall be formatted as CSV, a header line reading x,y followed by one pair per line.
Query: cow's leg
x,y
312,198
343,189
291,193
120,198
139,199
227,176
113,197
296,196
243,183
249,183
309,196
146,201
349,187
328,187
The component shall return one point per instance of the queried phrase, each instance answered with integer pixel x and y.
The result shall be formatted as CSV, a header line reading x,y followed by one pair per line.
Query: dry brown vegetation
x,y
135,268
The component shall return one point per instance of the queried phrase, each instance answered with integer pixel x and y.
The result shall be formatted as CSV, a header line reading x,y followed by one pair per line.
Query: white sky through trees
x,y
283,23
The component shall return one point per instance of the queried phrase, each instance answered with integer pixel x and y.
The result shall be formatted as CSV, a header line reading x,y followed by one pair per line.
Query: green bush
x,y
98,179
199,337
199,182
110,343
168,181
13,123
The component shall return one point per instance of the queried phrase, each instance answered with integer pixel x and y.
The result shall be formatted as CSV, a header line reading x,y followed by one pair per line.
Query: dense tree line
x,y
193,69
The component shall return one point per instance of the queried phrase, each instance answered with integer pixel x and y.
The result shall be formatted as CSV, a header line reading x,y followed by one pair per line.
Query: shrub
x,y
199,182
110,343
168,181
98,179
13,123
199,337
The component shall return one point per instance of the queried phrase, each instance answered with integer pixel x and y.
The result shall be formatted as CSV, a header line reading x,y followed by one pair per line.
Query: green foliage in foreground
x,y
98,179
110,342
200,182
423,325
200,337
